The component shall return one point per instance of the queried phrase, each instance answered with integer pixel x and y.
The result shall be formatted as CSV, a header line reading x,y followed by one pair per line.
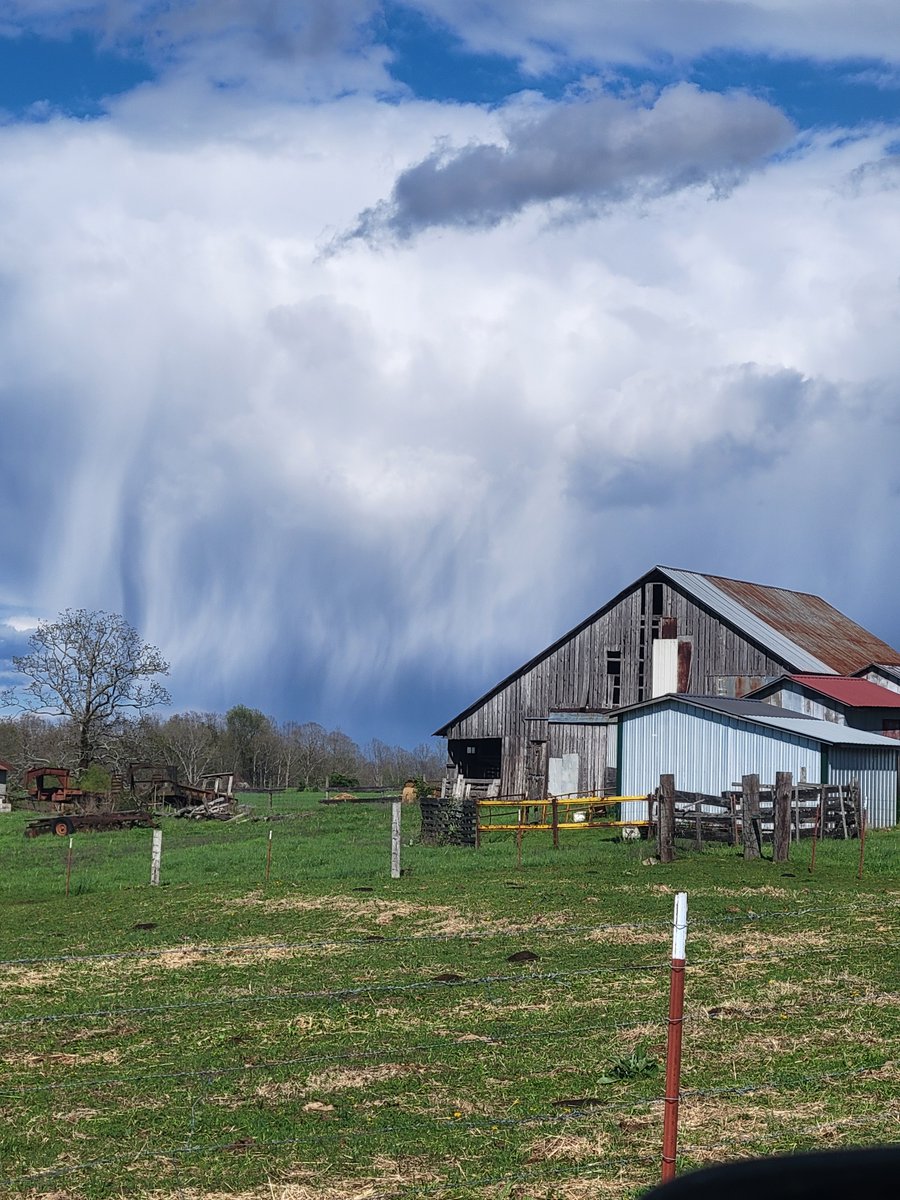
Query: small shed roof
x,y
5,766
757,712
849,690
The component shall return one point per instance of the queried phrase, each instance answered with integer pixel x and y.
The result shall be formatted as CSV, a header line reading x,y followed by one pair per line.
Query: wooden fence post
x,y
554,808
817,829
155,857
68,866
781,829
666,822
268,856
698,822
861,822
395,839
750,816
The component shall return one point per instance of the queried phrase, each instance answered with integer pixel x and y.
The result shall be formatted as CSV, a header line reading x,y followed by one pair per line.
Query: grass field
x,y
338,1034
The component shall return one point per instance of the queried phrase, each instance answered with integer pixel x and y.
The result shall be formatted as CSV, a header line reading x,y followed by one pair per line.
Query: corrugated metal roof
x,y
741,708
811,622
731,608
5,766
829,732
855,693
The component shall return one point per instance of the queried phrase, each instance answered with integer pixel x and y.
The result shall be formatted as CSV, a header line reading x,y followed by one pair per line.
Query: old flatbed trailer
x,y
65,824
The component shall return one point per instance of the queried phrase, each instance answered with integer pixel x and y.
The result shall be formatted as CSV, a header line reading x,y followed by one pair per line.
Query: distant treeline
x,y
262,752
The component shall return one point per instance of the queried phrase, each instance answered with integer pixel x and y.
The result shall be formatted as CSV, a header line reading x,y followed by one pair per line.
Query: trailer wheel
x,y
62,827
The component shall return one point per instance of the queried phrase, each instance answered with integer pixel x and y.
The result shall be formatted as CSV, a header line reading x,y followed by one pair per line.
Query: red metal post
x,y
673,1050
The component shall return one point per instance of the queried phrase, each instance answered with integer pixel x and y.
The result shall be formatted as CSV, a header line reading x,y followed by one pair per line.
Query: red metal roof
x,y
812,623
855,693
5,766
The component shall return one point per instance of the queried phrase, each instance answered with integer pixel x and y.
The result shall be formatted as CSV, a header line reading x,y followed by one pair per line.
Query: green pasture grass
x,y
323,1054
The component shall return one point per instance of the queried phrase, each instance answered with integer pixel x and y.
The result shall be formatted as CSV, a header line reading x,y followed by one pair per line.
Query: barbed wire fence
x,y
565,1114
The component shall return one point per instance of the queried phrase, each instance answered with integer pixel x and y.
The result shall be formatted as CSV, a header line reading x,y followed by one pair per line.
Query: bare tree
x,y
192,742
311,752
90,667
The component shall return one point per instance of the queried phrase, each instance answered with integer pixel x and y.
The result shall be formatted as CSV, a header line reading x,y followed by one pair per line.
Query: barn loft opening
x,y
476,758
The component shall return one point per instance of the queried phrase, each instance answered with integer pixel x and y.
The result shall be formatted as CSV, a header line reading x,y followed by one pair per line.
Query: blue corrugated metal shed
x,y
708,744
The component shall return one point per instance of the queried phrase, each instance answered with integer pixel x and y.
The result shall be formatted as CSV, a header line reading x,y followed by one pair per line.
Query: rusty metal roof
x,y
731,608
5,766
855,693
821,633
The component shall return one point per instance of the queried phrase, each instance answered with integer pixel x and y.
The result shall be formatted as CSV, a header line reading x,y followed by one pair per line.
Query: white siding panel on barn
x,y
877,775
562,775
665,666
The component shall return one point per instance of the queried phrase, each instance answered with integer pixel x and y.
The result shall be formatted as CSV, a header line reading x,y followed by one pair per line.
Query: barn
x,y
708,743
671,631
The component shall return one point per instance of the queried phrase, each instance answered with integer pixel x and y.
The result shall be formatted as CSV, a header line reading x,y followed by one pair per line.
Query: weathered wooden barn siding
x,y
719,653
574,675
589,742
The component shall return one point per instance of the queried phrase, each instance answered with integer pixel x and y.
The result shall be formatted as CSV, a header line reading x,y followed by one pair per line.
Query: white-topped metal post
x,y
676,1026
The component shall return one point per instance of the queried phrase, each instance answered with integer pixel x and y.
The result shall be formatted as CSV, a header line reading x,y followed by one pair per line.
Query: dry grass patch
x,y
755,939
58,1059
389,1175
570,1147
30,978
579,1187
336,1080
74,1115
634,937
381,912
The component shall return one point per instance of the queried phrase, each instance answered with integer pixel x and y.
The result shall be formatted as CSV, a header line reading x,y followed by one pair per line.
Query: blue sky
x,y
77,72
403,335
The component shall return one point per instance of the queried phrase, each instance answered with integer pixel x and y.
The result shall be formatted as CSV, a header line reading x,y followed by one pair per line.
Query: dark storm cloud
x,y
594,151
749,421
